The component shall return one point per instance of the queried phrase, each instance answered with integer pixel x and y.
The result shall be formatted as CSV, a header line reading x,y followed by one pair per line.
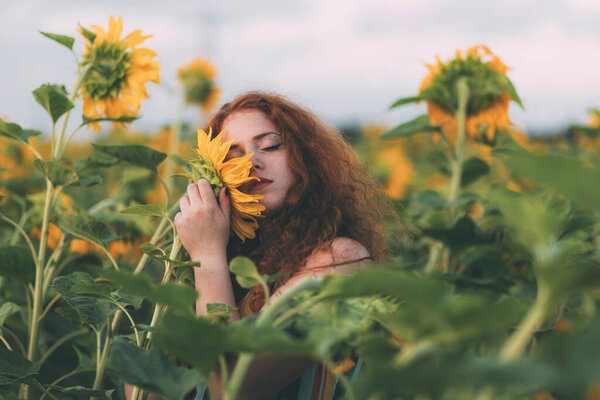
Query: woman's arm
x,y
203,227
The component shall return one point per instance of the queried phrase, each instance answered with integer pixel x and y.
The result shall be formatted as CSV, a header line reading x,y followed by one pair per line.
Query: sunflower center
x,y
110,67
484,85
202,168
196,86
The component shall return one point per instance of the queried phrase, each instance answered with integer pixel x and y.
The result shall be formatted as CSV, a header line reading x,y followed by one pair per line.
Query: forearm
x,y
213,283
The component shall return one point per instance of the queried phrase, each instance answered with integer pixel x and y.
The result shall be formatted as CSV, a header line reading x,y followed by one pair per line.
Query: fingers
x,y
224,203
207,194
194,195
184,204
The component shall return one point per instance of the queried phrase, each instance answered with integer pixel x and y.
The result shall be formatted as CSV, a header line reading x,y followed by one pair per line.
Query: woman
x,y
321,216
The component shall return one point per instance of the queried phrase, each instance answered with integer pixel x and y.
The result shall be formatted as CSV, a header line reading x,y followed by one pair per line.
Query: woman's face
x,y
252,132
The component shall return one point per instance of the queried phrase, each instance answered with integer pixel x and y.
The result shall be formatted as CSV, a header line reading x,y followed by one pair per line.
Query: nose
x,y
257,161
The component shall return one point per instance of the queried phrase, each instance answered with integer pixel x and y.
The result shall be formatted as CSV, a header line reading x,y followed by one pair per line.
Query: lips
x,y
256,185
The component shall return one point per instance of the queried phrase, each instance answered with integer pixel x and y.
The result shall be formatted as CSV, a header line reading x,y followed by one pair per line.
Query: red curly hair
x,y
333,194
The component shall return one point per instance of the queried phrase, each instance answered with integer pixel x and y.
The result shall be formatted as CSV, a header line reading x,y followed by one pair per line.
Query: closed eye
x,y
272,148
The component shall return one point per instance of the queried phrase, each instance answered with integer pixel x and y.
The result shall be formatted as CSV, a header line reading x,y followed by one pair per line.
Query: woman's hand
x,y
203,224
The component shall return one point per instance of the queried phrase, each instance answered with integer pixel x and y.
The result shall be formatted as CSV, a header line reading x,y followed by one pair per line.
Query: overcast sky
x,y
346,60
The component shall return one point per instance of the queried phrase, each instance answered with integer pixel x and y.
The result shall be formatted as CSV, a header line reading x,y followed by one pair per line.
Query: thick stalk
x,y
102,357
158,309
459,153
58,147
515,345
160,230
39,276
461,116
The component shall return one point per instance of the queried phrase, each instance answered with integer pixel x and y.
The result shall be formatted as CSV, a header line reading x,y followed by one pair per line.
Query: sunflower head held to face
x,y
231,174
118,72
490,91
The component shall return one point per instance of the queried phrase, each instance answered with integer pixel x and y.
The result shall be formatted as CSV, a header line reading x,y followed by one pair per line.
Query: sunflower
x,y
490,93
211,165
115,84
198,80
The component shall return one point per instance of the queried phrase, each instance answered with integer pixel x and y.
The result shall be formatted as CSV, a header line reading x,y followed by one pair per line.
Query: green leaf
x,y
379,281
200,342
154,210
138,155
463,233
569,176
54,99
89,35
86,180
124,118
245,272
431,198
158,254
85,227
216,308
473,169
405,100
17,262
15,132
58,175
417,125
151,371
14,368
66,41
76,289
80,392
6,310
178,160
170,294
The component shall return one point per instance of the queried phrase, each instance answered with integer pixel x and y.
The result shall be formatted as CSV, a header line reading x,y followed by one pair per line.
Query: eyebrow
x,y
256,138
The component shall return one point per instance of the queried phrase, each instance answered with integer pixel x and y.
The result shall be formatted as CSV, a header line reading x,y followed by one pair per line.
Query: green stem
x,y
517,342
19,229
62,378
158,233
5,342
434,254
102,357
461,116
520,338
15,338
59,148
159,309
457,164
39,276
59,342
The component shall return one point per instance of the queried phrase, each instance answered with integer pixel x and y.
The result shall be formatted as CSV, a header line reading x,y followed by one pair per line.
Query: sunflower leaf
x,y
58,175
15,132
89,35
151,370
15,368
17,262
153,210
245,272
6,310
473,169
54,99
138,155
170,294
66,41
405,100
124,118
85,227
417,125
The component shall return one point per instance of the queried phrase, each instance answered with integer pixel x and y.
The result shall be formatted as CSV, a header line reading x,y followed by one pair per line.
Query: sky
x,y
346,60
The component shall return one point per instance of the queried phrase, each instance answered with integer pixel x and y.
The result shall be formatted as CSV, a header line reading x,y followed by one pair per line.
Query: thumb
x,y
225,203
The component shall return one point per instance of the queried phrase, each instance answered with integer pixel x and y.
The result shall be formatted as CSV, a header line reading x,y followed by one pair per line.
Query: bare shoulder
x,y
339,251
341,256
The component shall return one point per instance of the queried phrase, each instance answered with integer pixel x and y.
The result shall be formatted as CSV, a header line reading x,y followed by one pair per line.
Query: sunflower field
x,y
491,290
